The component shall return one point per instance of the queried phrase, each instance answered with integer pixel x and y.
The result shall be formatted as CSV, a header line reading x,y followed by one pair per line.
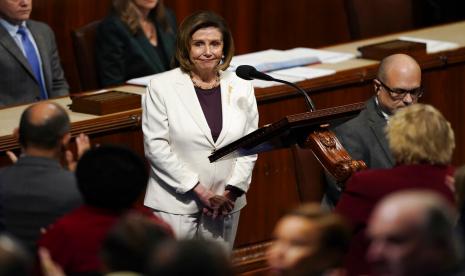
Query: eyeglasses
x,y
399,93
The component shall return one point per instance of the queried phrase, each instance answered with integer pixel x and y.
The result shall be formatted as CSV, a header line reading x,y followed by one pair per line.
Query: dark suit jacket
x,y
35,192
122,56
364,139
17,82
366,188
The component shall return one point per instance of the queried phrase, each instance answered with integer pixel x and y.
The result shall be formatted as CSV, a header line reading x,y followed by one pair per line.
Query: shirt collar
x,y
385,115
11,28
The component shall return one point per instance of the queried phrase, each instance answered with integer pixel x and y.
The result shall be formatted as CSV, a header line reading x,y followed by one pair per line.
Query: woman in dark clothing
x,y
135,40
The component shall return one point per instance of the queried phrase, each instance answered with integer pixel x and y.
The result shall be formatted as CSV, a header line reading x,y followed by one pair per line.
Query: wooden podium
x,y
308,130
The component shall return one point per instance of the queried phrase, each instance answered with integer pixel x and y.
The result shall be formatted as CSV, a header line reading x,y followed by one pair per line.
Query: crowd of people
x,y
103,211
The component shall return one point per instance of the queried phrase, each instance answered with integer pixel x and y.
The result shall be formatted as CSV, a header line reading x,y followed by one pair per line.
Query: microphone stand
x,y
308,100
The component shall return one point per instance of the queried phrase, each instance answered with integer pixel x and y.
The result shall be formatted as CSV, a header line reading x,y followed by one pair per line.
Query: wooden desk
x,y
284,178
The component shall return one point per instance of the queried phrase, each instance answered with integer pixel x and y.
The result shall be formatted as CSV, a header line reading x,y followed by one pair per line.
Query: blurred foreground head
x,y
412,233
190,257
14,260
308,241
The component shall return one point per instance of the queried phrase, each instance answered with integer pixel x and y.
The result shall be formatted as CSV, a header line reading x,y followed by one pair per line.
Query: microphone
x,y
248,72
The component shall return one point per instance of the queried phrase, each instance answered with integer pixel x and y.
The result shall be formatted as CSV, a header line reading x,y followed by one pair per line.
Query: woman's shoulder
x,y
111,22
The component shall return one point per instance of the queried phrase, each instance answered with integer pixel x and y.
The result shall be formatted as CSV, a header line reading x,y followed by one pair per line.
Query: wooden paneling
x,y
256,25
261,24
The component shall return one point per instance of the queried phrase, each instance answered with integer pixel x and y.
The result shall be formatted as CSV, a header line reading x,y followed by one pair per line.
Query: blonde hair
x,y
129,14
193,23
420,134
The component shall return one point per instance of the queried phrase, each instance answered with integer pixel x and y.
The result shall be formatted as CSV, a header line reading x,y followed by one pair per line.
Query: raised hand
x,y
82,145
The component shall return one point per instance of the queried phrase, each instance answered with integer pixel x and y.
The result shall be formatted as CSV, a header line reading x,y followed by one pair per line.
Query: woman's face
x,y
206,49
145,6
297,243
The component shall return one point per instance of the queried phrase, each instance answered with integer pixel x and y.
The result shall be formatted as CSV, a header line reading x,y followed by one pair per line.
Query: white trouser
x,y
222,230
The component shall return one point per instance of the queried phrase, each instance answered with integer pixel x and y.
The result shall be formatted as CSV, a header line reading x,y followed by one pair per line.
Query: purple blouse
x,y
210,101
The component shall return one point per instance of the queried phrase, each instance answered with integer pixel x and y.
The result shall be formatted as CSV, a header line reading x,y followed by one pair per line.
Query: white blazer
x,y
178,141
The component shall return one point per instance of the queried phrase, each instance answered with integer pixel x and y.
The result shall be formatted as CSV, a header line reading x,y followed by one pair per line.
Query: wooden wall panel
x,y
256,25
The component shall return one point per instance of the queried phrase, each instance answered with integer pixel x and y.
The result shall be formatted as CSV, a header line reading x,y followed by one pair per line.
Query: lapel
x,y
227,91
377,123
149,52
45,58
167,41
186,93
10,45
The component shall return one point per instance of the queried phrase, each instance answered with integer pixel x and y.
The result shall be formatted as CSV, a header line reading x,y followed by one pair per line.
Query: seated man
x,y
422,142
412,233
37,190
397,85
29,62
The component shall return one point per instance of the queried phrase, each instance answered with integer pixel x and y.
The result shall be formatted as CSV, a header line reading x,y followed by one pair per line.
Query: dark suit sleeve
x,y
110,52
351,139
59,85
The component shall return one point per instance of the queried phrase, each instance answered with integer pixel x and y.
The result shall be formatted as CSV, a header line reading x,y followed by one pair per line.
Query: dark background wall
x,y
263,24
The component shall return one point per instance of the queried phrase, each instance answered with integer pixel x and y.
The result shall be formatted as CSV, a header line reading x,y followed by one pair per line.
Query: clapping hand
x,y
82,145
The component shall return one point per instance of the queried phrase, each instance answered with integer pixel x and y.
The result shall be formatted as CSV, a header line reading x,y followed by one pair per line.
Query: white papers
x,y
294,74
304,72
432,46
142,81
322,55
270,60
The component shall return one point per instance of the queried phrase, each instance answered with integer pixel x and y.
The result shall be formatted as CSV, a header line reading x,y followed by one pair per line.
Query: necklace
x,y
206,85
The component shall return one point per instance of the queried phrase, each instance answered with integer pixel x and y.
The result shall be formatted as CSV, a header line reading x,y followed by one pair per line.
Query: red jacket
x,y
75,240
366,188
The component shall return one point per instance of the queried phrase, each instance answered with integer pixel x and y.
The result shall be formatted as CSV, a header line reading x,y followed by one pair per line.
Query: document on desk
x,y
294,74
142,81
432,46
271,60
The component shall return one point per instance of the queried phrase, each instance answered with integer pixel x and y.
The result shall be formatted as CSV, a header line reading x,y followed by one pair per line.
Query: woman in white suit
x,y
189,112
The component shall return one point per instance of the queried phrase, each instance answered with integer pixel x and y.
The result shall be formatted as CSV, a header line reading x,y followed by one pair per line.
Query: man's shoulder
x,y
40,168
39,25
359,122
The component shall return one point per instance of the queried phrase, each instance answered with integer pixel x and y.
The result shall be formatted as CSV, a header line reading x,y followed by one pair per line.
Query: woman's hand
x,y
214,205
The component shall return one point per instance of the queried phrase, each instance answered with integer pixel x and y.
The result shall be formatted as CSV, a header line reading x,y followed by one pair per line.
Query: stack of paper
x,y
432,46
142,81
271,60
294,74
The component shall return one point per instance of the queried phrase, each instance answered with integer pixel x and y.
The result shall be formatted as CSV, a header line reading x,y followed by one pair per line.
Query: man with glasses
x,y
397,85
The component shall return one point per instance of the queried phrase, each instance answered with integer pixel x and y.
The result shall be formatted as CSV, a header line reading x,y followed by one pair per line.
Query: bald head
x,y
43,125
398,64
412,233
397,72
